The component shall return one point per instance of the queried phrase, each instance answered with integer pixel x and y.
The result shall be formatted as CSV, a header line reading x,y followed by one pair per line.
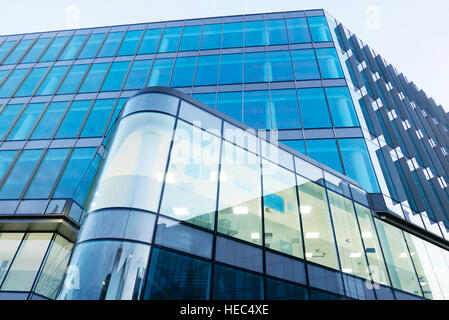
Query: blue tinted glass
x,y
254,33
7,117
11,83
160,73
285,110
30,83
5,160
211,36
279,290
150,41
118,108
231,284
3,74
230,103
75,170
138,75
207,70
170,40
111,44
54,49
48,86
73,47
91,46
298,31
26,121
190,38
232,35
298,145
116,75
130,43
341,106
49,121
98,118
73,78
5,47
256,69
314,112
329,63
206,98
73,119
280,66
256,109
46,175
358,164
19,175
36,50
18,51
319,29
305,65
231,68
94,77
183,72
326,152
172,277
276,32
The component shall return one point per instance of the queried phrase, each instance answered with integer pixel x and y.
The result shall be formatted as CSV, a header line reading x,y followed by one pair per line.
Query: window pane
x,y
11,83
231,68
97,119
91,46
281,211
172,277
9,243
27,262
341,106
46,175
313,106
3,74
279,290
230,103
116,75
30,83
256,109
51,81
7,117
49,121
73,78
329,63
73,119
73,47
206,98
239,207
191,181
326,152
317,229
111,44
232,35
256,67
305,65
319,29
138,75
17,178
170,39
298,31
398,259
211,36
130,43
94,77
280,66
298,145
54,49
118,108
285,110
5,47
160,73
36,50
254,33
231,284
276,32
183,72
26,122
5,160
207,70
190,38
18,51
150,41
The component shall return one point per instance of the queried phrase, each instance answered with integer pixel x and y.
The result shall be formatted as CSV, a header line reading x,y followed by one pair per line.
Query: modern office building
x,y
264,156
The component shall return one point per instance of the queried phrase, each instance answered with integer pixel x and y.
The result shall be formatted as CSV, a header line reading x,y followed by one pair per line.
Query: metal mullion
x,y
6,77
61,120
140,41
10,50
63,46
13,258
79,49
262,218
15,120
413,263
30,69
26,51
69,67
125,78
37,60
155,53
39,83
61,172
89,110
110,117
11,166
120,42
36,123
106,34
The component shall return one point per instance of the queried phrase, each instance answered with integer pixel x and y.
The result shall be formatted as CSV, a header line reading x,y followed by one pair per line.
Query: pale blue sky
x,y
411,34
